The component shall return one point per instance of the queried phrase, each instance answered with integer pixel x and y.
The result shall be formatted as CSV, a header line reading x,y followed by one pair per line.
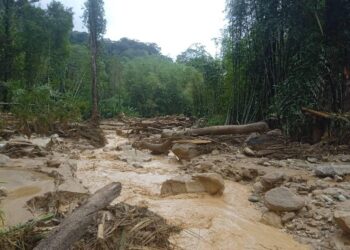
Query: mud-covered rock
x,y
281,199
271,219
213,183
342,218
53,163
248,152
19,148
288,217
185,151
272,180
210,183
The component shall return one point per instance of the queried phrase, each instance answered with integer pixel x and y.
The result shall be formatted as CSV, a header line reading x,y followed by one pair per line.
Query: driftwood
x,y
223,130
345,117
163,148
75,225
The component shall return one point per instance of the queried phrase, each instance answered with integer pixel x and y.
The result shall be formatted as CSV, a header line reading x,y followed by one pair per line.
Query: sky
x,y
173,24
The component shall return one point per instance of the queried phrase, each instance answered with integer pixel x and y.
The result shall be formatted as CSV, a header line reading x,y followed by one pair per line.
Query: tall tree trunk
x,y
95,116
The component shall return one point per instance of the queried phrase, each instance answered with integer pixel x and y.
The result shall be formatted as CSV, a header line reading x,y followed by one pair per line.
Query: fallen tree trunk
x,y
75,225
223,130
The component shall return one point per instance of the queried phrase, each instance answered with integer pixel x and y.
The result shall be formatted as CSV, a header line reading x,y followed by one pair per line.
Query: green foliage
x,y
41,108
282,55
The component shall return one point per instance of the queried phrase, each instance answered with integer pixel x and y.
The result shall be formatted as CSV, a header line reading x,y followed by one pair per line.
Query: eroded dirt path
x,y
227,222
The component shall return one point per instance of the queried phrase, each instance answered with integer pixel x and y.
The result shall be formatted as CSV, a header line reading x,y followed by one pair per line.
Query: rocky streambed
x,y
222,199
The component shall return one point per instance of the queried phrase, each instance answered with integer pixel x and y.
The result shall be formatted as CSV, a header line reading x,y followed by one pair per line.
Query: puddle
x,y
22,185
227,222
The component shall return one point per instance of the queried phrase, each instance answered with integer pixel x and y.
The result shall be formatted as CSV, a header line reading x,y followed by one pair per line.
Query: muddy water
x,y
22,186
227,222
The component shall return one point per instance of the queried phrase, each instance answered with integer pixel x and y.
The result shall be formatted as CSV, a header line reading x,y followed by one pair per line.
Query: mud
x,y
229,221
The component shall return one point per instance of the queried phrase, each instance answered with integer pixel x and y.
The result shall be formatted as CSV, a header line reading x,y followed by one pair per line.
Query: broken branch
x,y
75,225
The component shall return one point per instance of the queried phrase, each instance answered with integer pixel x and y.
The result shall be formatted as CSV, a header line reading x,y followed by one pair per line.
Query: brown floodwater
x,y
226,222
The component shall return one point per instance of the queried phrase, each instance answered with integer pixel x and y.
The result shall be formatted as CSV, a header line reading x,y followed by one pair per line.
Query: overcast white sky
x,y
173,24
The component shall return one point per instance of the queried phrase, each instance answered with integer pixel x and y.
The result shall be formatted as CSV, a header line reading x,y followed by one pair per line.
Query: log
x,y
75,225
224,130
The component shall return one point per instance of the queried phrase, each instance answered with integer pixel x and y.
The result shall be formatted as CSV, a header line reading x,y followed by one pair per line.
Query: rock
x,y
271,219
341,198
253,198
275,132
22,148
288,217
345,158
272,180
312,160
338,178
215,152
174,186
342,218
266,164
4,159
3,192
258,187
281,199
249,174
324,171
136,165
248,152
185,151
6,133
53,163
211,183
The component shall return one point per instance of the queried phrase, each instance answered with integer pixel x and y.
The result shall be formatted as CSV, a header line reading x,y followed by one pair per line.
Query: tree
x,y
94,18
60,25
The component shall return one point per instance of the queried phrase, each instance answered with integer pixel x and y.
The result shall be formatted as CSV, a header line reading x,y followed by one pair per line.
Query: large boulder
x,y
281,199
210,183
185,151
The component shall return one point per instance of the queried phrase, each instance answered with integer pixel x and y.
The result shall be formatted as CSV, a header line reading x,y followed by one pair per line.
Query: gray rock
x,y
312,160
324,171
4,159
254,198
281,199
341,198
